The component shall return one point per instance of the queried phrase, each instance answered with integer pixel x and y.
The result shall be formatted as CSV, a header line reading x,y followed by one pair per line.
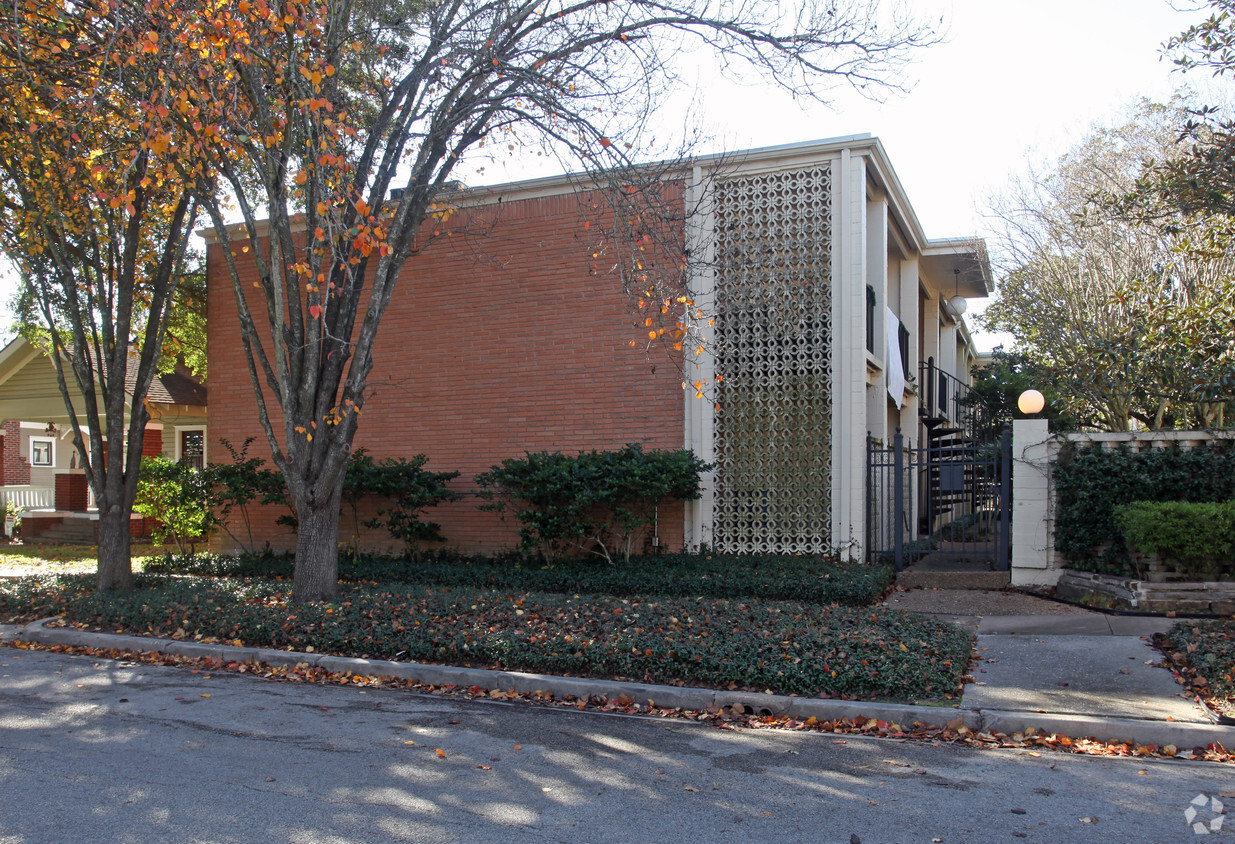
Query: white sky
x,y
1017,82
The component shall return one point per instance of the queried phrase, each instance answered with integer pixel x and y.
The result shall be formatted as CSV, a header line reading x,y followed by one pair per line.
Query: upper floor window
x,y
42,451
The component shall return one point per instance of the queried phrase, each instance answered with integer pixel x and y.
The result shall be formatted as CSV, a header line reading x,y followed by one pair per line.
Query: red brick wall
x,y
152,442
72,492
495,344
16,464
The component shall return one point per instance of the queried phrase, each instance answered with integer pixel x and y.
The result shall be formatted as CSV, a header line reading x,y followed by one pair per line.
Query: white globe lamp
x,y
1031,402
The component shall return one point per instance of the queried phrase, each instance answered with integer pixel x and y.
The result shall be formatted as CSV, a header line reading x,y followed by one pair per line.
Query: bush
x,y
237,485
178,497
781,646
596,502
407,486
1091,481
1196,539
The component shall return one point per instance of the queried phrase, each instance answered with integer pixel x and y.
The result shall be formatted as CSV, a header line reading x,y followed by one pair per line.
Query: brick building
x,y
504,338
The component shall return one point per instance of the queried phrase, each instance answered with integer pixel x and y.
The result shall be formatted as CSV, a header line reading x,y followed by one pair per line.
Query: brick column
x,y
72,493
152,442
16,466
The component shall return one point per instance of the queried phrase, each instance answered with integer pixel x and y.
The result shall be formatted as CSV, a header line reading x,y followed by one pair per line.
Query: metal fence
x,y
950,503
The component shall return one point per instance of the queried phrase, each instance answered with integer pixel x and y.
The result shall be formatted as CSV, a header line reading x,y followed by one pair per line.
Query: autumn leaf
x,y
441,753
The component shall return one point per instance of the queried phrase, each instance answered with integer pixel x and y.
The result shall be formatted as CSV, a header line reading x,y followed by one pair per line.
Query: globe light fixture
x,y
1031,402
958,305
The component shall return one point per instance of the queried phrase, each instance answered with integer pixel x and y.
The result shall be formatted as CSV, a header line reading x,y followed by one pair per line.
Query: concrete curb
x,y
667,697
1182,735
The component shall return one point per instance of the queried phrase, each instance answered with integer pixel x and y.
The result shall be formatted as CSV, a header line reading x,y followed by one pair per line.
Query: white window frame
x,y
180,430
51,445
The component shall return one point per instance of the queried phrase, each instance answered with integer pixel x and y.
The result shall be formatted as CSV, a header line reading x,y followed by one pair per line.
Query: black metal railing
x,y
946,398
924,501
870,319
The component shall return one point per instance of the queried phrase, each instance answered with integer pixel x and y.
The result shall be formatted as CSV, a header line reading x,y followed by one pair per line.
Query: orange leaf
x,y
315,311
440,752
605,142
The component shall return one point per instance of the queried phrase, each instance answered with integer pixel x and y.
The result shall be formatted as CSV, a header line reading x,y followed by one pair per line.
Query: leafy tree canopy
x,y
1121,312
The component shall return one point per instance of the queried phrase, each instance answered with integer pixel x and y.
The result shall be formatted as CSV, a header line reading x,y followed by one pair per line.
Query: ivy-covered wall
x,y
1091,480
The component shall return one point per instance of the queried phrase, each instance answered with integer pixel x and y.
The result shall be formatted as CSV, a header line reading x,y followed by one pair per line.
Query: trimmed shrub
x,y
1197,540
1091,481
599,502
407,486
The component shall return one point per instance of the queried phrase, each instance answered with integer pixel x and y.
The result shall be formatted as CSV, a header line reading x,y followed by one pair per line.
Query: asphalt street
x,y
97,750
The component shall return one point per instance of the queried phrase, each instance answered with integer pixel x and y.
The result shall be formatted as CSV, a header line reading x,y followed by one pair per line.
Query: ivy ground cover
x,y
816,580
784,647
1202,653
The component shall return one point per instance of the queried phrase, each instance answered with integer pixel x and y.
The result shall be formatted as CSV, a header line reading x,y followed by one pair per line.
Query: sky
x,y
1015,84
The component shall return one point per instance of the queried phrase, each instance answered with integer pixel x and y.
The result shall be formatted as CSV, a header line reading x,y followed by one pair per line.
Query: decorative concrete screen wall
x,y
773,425
1035,562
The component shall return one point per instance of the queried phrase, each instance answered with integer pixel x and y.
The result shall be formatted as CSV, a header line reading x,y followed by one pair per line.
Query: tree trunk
x,y
115,560
316,576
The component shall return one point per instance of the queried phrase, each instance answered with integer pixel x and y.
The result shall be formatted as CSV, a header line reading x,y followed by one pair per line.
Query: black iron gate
x,y
948,501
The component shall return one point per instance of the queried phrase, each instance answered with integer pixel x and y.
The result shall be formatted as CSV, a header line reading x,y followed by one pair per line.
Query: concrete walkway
x,y
1079,674
1083,675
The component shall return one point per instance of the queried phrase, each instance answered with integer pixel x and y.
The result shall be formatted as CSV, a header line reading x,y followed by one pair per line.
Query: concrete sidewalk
x,y
1087,675
1083,675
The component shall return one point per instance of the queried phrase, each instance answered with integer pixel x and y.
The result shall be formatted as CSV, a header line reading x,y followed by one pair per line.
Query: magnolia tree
x,y
1121,312
309,113
95,215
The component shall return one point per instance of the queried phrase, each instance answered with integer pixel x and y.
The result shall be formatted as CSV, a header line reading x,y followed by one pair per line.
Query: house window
x,y
42,451
191,447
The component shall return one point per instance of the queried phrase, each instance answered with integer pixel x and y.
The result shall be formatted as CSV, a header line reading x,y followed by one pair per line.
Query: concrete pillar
x,y
699,419
1033,546
849,226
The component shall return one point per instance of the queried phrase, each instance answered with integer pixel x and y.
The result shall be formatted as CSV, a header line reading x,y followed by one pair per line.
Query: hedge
x,y
1194,539
811,579
1091,481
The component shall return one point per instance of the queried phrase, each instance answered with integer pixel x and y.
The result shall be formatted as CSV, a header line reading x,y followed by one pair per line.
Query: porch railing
x,y
27,497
